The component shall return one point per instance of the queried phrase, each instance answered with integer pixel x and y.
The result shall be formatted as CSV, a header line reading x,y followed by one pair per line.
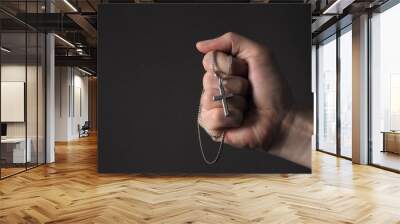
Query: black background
x,y
150,82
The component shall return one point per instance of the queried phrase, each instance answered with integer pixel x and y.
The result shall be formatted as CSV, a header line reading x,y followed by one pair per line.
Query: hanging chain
x,y
222,136
221,145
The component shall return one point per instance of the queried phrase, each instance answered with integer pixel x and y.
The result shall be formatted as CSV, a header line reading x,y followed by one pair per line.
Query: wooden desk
x,y
391,141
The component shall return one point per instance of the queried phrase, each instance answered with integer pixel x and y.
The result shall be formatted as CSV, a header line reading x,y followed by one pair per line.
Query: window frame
x,y
333,37
28,29
380,9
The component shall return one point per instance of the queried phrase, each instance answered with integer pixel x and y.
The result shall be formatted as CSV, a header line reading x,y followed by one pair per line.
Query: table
x,y
13,150
391,141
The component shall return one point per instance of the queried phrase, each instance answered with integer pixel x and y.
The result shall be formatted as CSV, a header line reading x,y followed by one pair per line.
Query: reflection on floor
x,y
346,152
71,191
11,169
387,159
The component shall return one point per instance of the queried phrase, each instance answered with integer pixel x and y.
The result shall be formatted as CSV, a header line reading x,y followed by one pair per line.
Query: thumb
x,y
230,43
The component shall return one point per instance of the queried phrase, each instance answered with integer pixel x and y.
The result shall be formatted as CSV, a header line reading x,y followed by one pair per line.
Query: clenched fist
x,y
262,114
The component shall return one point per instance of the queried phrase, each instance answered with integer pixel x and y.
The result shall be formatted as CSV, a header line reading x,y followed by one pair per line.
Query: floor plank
x,y
71,191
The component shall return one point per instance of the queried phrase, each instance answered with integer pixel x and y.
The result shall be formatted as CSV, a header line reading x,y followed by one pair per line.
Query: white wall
x,y
62,81
9,73
16,73
71,102
33,127
80,112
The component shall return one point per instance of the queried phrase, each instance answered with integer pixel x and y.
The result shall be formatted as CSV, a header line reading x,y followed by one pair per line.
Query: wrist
x,y
292,140
281,131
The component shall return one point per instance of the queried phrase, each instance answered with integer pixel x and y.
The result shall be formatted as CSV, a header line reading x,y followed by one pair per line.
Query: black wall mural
x,y
150,81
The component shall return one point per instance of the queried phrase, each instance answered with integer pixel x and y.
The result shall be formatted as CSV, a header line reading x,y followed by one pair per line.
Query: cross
x,y
223,97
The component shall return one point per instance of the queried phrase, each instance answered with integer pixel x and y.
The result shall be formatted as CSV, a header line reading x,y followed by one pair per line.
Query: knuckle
x,y
236,86
216,137
208,95
230,35
206,59
204,80
209,129
215,117
226,84
202,100
207,80
205,99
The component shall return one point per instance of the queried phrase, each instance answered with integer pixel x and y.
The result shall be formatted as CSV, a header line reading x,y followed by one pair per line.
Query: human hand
x,y
261,99
261,109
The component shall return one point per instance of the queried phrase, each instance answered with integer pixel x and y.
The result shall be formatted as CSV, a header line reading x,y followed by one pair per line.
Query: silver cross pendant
x,y
223,96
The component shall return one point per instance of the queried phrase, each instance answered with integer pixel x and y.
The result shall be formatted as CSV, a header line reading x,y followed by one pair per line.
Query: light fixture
x,y
337,7
5,50
84,71
65,41
80,51
70,5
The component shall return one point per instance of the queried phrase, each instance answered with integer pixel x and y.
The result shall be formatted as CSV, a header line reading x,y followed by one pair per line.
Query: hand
x,y
261,109
252,123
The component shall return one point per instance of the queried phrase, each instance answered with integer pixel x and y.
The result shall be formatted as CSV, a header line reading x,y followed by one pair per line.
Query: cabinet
x,y
391,141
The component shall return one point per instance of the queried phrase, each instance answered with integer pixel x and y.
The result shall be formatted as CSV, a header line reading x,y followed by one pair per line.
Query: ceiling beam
x,y
337,6
84,24
82,61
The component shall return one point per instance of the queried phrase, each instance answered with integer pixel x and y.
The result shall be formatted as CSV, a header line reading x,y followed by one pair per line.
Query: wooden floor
x,y
5,172
8,171
386,159
71,191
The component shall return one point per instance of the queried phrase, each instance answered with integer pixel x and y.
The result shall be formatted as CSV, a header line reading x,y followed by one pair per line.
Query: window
x,y
334,106
346,92
22,101
327,96
385,88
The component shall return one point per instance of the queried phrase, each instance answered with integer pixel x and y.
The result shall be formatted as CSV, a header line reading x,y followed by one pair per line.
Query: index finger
x,y
230,43
224,63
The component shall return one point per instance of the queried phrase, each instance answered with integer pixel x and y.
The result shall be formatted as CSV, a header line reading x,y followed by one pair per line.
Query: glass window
x,y
385,88
31,100
327,96
22,92
14,153
346,93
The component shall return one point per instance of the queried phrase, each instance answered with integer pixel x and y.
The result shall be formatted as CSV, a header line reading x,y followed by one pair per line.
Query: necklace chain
x,y
221,144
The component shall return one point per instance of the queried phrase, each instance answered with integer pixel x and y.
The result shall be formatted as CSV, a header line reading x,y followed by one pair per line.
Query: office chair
x,y
84,130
